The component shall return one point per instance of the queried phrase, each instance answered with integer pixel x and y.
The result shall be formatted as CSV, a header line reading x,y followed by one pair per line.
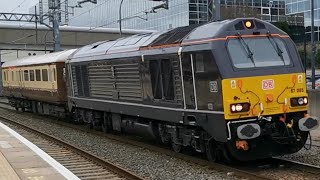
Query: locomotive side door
x,y
188,81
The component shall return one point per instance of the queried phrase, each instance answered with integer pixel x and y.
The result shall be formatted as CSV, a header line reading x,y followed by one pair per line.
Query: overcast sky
x,y
16,6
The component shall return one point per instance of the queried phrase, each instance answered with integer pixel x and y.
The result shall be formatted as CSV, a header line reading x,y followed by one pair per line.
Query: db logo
x,y
268,84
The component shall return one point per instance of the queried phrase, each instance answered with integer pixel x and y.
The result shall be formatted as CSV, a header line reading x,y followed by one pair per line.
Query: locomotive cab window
x,y
162,79
258,52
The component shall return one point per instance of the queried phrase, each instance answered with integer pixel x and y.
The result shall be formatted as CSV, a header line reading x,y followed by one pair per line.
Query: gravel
x,y
145,163
311,156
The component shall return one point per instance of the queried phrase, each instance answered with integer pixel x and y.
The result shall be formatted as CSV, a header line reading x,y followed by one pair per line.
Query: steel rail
x,y
101,162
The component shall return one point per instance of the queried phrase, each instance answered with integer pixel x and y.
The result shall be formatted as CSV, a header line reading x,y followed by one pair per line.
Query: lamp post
x,y
313,46
270,5
120,18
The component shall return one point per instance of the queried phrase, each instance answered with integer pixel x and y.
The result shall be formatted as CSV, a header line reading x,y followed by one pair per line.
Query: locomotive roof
x,y
40,59
179,36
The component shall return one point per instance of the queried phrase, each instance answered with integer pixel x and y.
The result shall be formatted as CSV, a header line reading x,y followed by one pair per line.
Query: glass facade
x,y
304,6
138,14
268,10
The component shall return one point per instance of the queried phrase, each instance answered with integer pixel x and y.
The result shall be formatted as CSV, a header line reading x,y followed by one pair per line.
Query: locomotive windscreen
x,y
250,52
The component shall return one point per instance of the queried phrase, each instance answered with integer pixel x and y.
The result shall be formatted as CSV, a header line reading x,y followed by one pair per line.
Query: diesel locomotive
x,y
234,89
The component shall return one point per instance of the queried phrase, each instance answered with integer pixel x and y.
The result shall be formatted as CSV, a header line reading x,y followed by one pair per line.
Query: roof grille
x,y
174,36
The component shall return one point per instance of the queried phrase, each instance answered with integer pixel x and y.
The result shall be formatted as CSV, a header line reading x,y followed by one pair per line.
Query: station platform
x,y
22,160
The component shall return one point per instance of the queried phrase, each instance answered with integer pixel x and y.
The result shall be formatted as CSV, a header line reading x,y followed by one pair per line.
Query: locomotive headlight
x,y
238,107
233,108
300,101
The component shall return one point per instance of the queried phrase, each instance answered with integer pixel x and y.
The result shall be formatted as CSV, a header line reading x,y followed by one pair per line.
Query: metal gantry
x,y
53,17
18,17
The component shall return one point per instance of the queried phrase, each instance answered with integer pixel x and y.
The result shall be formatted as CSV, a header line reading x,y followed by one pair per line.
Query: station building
x,y
294,7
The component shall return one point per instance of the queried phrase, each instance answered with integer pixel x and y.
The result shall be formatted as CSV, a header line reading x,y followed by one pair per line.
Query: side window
x,y
162,79
4,76
54,74
38,75
44,75
167,79
17,75
156,79
26,75
199,63
31,75
21,75
50,75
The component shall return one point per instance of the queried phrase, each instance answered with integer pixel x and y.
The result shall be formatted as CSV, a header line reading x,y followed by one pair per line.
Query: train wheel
x,y
17,108
176,147
211,151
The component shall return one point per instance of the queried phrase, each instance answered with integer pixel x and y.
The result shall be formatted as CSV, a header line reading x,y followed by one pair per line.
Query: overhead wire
x,y
115,21
19,5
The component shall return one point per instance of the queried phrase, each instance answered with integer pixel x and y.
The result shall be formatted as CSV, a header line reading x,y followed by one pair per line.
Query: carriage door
x,y
189,81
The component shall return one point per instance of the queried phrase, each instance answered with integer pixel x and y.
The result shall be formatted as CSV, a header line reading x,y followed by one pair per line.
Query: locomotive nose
x,y
308,123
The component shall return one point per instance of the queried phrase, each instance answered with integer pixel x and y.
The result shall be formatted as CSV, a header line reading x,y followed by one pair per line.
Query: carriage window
x,y
50,75
17,75
31,75
38,75
26,75
44,75
54,74
4,76
12,73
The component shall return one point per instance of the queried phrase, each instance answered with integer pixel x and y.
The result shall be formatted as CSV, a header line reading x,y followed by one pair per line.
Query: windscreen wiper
x,y
246,48
276,47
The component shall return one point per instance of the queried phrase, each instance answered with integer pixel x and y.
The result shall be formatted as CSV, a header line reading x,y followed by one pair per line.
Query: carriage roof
x,y
40,59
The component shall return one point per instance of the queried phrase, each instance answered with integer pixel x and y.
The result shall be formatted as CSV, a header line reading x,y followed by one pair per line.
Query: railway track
x,y
276,167
83,164
306,168
253,171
